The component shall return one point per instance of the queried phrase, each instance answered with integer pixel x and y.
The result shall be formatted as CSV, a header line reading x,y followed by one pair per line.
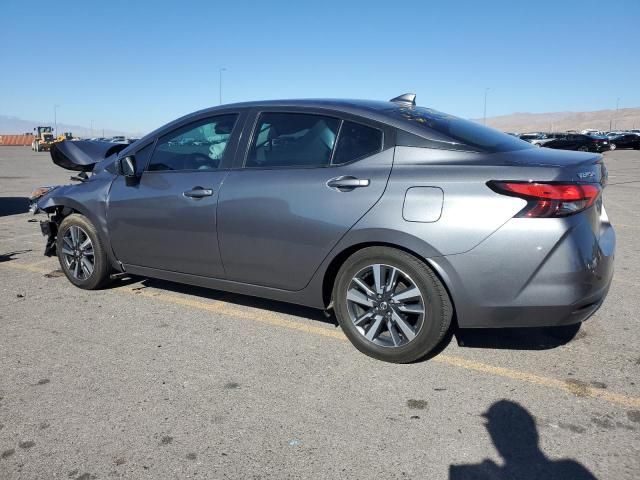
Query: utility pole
x,y
484,116
55,118
222,69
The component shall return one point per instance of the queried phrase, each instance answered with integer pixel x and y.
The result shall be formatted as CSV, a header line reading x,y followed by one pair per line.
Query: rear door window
x,y
356,141
292,140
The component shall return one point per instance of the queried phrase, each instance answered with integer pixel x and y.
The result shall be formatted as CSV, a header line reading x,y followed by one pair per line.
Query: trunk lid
x,y
571,166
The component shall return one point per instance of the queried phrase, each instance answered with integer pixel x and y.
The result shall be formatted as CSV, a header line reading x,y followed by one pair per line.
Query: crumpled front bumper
x,y
49,229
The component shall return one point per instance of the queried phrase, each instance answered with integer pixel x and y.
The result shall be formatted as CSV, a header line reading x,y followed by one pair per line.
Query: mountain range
x,y
605,120
15,125
624,118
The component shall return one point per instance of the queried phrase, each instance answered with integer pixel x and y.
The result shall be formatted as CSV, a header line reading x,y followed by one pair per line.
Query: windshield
x,y
456,133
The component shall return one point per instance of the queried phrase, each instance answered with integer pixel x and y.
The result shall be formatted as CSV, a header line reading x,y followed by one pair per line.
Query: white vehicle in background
x,y
534,137
592,132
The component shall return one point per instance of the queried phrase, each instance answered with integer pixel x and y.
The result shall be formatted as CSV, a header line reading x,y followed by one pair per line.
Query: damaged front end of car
x,y
59,201
48,227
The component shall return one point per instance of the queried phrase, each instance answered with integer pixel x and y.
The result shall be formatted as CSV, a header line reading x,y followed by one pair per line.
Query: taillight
x,y
550,199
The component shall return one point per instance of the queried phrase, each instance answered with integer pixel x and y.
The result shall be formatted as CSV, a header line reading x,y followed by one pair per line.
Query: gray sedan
x,y
401,219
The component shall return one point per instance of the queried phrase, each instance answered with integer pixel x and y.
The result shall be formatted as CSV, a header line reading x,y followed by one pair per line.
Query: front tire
x,y
612,146
391,305
81,254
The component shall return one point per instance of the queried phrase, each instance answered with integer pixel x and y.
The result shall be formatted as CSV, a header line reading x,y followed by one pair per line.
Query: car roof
x,y
311,102
373,109
370,109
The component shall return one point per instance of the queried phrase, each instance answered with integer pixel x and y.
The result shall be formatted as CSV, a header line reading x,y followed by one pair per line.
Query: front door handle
x,y
198,192
347,183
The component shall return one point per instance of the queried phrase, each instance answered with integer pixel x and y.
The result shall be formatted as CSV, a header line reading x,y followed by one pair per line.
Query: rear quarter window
x,y
453,133
356,141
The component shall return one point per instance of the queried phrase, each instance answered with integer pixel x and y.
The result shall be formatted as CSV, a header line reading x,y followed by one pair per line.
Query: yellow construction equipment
x,y
64,136
44,139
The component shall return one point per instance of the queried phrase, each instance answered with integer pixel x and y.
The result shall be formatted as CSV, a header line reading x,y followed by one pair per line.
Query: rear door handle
x,y
198,192
347,183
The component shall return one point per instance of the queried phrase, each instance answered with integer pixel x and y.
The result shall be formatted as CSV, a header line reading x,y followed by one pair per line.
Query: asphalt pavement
x,y
152,380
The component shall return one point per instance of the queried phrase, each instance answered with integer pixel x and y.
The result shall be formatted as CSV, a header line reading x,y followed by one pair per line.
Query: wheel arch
x,y
331,271
62,207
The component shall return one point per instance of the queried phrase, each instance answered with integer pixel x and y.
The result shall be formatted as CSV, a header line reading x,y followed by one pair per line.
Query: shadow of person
x,y
514,434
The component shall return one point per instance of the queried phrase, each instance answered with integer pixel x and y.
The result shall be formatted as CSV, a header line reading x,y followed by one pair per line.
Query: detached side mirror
x,y
126,166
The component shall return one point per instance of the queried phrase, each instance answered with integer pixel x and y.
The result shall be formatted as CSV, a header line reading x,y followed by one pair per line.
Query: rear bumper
x,y
535,316
557,272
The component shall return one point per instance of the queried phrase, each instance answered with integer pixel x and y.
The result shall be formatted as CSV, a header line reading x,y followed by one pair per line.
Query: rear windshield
x,y
447,131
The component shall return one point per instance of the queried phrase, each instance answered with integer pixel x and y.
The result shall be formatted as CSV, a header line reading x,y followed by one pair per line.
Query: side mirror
x,y
126,167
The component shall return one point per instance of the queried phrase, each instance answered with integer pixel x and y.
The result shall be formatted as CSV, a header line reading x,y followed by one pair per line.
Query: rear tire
x,y
386,323
82,256
583,149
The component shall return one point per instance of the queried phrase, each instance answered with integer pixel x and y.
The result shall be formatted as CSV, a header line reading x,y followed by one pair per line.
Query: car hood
x,y
82,155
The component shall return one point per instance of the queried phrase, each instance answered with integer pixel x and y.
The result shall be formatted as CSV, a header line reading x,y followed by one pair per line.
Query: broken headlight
x,y
40,192
36,195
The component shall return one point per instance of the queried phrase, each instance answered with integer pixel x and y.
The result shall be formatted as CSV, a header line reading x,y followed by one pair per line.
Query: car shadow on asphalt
x,y
515,436
524,338
13,205
239,299
530,338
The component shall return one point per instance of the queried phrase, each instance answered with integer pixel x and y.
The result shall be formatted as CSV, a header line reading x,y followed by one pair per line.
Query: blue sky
x,y
136,65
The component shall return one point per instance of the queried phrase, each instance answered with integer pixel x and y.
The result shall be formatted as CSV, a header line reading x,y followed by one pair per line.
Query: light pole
x,y
484,116
55,118
615,123
220,71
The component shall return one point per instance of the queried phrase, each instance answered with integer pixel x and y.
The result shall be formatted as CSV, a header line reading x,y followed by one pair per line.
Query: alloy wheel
x,y
77,252
385,305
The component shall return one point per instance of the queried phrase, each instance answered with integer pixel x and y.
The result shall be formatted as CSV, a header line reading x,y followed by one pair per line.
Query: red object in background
x,y
16,140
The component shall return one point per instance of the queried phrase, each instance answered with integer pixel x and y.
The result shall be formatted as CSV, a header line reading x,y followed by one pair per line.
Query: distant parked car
x,y
577,141
529,137
536,139
556,135
626,140
591,131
